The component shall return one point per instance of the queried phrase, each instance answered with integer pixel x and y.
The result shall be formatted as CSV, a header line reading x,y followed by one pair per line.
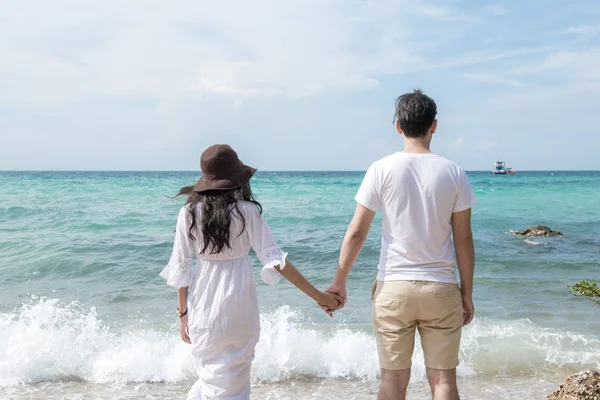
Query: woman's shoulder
x,y
185,210
248,207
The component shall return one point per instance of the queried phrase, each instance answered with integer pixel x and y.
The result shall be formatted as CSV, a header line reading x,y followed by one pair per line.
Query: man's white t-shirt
x,y
417,192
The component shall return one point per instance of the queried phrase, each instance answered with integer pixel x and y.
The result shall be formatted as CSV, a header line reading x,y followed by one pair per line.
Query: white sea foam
x,y
532,242
50,341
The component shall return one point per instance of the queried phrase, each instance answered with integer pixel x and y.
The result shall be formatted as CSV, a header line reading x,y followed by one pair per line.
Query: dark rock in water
x,y
582,386
538,230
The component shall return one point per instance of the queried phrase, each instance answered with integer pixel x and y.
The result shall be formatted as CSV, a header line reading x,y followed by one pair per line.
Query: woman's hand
x,y
183,329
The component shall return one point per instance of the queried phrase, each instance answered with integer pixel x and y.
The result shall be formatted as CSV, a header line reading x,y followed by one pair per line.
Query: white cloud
x,y
63,51
271,49
483,57
488,144
579,65
80,75
441,13
458,143
485,77
582,30
565,66
496,9
265,48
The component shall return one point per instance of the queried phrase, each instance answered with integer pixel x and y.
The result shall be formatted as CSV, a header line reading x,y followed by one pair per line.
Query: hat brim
x,y
242,177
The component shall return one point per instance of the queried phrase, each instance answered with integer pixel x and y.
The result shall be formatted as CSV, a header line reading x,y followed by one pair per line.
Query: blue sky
x,y
295,84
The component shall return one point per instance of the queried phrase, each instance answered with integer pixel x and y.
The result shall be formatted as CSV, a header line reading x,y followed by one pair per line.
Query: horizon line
x,y
259,171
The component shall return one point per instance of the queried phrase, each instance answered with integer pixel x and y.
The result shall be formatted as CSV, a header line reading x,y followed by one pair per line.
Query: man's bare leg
x,y
393,384
443,384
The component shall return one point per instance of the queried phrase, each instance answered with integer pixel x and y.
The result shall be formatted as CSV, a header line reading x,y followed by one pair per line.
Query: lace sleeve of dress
x,y
178,272
264,244
270,258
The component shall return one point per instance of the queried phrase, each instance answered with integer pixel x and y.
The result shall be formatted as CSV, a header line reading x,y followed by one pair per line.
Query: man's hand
x,y
338,289
468,309
330,303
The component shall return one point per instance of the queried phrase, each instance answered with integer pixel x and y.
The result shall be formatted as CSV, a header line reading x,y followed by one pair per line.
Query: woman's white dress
x,y
222,302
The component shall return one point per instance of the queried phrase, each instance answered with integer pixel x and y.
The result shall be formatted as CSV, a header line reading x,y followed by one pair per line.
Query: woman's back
x,y
218,306
223,319
242,223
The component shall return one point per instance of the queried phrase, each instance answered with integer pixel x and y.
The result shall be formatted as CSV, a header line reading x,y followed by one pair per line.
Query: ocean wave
x,y
531,242
52,341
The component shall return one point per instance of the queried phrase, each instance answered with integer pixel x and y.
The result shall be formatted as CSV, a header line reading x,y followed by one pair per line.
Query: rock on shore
x,y
582,386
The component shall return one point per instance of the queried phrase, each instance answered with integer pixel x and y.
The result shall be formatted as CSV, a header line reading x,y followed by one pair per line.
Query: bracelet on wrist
x,y
182,314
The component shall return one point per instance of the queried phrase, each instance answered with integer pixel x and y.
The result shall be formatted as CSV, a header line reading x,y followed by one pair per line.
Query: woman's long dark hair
x,y
218,207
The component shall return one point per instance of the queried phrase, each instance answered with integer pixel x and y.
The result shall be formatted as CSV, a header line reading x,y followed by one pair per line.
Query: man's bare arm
x,y
465,257
355,238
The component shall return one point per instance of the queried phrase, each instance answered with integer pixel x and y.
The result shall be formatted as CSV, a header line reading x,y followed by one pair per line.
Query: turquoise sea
x,y
84,314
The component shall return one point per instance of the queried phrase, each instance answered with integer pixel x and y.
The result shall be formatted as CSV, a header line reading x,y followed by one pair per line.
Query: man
x,y
425,199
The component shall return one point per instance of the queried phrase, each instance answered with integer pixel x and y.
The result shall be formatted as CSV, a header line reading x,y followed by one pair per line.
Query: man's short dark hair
x,y
416,112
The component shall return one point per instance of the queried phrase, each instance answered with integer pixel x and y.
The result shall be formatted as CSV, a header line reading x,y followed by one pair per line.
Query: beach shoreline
x,y
473,388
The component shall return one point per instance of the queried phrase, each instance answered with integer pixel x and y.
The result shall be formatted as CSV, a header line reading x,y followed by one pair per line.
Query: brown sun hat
x,y
222,169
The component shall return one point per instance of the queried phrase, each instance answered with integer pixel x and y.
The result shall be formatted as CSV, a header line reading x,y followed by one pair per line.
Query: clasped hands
x,y
338,291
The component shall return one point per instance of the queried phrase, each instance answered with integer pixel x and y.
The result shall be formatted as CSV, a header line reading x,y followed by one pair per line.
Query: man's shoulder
x,y
388,160
450,163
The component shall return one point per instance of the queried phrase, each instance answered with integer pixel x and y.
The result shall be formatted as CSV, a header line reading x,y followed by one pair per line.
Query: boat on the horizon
x,y
501,169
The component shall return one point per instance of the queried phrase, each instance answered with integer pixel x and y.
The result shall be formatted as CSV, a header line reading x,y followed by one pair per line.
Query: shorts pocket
x,y
445,289
386,306
373,289
384,297
391,289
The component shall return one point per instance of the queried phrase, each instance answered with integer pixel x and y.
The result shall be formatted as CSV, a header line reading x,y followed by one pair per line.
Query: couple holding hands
x,y
426,202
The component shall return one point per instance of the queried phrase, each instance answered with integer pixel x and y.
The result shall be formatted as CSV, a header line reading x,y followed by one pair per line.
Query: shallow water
x,y
83,313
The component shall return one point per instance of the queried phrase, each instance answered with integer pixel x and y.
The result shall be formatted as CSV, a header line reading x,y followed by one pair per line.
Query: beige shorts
x,y
435,309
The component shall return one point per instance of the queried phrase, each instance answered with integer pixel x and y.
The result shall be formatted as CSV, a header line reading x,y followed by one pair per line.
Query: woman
x,y
218,305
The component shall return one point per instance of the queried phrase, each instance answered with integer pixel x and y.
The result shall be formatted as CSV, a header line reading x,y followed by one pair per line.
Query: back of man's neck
x,y
416,146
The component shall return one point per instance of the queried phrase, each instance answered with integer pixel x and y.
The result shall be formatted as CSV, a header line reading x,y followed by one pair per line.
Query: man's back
x,y
417,192
425,199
